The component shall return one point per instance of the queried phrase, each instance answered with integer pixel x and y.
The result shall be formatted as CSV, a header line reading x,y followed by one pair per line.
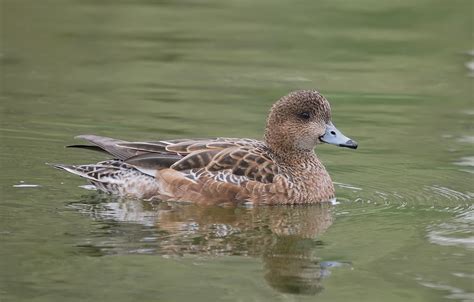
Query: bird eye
x,y
304,115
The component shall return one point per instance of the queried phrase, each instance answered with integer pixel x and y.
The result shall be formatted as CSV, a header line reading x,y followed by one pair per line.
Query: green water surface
x,y
395,74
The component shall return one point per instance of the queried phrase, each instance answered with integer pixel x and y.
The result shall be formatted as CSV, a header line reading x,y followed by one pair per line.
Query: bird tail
x,y
116,177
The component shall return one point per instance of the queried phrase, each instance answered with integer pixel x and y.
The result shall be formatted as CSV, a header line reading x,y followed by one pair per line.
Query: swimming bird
x,y
281,169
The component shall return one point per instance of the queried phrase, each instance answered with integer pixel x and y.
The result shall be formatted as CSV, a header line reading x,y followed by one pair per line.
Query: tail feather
x,y
116,177
77,170
88,147
107,145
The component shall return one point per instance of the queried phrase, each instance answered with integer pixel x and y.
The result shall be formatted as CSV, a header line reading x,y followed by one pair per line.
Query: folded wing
x,y
224,159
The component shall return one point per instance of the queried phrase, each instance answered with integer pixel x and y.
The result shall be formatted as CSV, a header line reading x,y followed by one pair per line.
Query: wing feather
x,y
230,159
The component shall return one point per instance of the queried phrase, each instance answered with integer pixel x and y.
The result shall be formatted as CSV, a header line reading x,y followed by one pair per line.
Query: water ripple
x,y
449,194
458,232
454,292
431,196
467,161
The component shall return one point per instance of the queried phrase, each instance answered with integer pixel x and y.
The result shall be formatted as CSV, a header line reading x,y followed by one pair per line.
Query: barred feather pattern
x,y
116,177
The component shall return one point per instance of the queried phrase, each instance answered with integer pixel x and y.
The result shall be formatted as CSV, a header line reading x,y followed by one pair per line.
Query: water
x,y
399,79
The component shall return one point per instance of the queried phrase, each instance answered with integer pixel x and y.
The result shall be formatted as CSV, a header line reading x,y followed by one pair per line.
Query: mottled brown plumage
x,y
283,169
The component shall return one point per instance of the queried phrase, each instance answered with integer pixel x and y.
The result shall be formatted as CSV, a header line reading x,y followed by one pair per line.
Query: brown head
x,y
301,120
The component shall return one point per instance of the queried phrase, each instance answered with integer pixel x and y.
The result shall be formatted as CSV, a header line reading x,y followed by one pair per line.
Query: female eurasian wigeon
x,y
282,169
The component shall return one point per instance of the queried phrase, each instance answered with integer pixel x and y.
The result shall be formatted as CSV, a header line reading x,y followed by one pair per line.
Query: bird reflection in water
x,y
285,237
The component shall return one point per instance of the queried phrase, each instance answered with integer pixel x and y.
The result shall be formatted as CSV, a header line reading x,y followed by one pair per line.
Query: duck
x,y
280,169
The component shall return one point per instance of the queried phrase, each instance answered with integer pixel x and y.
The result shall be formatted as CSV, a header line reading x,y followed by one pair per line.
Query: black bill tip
x,y
349,144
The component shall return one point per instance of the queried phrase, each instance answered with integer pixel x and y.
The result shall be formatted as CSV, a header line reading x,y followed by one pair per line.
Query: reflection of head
x,y
292,267
290,262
